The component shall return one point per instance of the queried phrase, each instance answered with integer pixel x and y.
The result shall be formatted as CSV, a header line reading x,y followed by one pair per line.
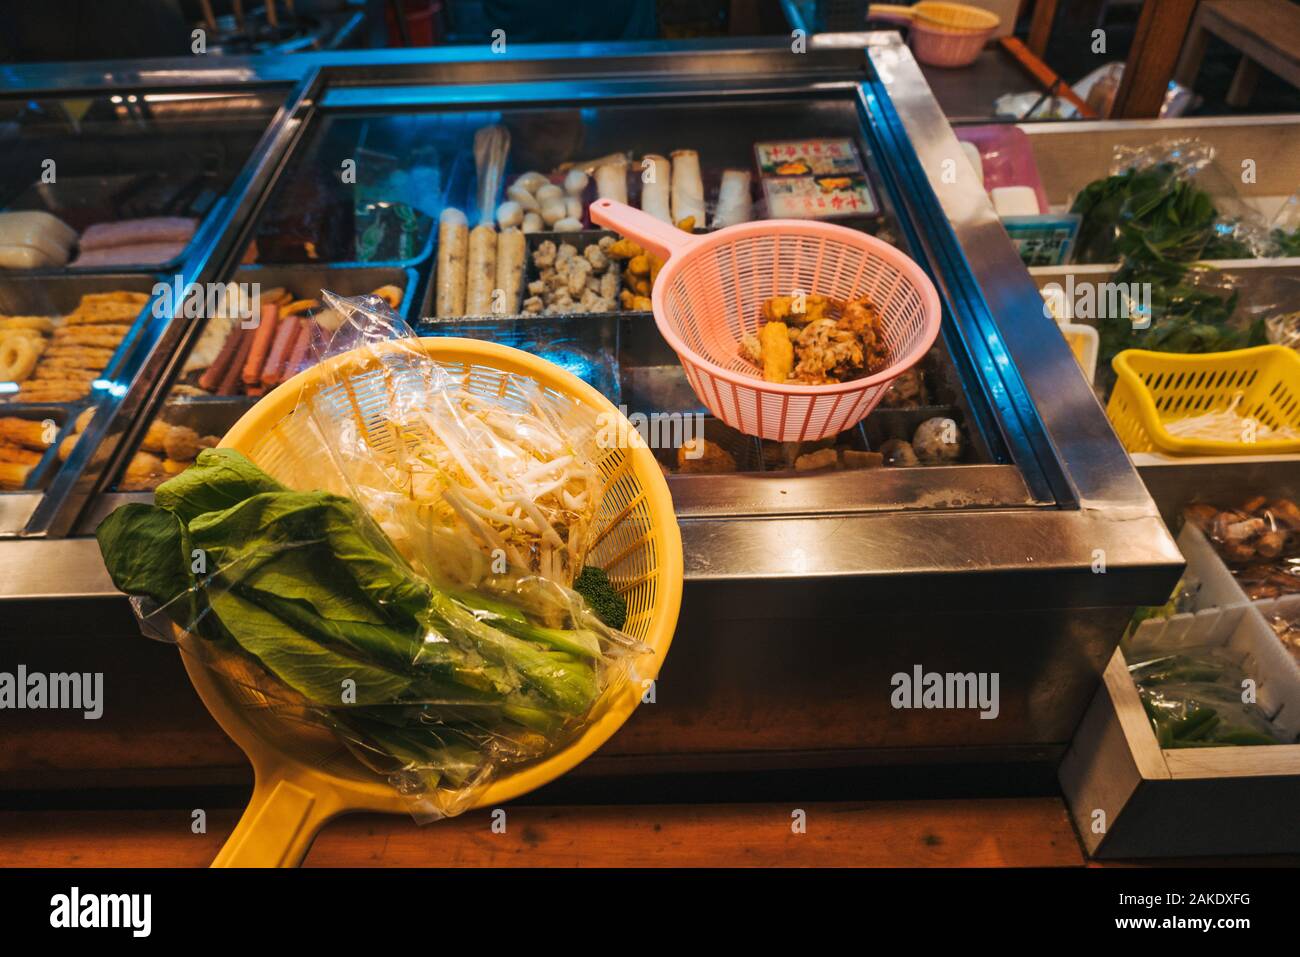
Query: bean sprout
x,y
515,476
1227,425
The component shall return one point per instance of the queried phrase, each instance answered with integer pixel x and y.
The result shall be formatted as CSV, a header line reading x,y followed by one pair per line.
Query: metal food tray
x,y
46,197
584,343
346,279
580,238
420,259
63,415
26,294
215,414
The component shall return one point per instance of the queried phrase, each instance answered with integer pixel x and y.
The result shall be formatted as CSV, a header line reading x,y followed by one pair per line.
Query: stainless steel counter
x,y
804,593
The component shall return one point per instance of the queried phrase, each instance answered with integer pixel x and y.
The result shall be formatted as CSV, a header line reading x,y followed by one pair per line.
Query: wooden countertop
x,y
993,832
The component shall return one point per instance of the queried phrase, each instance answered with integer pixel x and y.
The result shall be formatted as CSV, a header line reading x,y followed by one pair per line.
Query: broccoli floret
x,y
594,585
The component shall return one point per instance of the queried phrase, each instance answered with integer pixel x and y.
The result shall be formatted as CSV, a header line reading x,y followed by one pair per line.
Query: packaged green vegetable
x,y
1163,212
418,600
1197,698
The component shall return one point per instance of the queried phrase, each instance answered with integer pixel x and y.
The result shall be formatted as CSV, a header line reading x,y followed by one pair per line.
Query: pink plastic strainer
x,y
711,290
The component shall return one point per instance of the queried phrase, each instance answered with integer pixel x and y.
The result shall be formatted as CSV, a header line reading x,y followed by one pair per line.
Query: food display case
x,y
107,197
816,574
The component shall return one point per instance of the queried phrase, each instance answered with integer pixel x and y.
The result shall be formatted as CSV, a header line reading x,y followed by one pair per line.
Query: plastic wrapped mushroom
x,y
611,181
734,202
656,177
687,187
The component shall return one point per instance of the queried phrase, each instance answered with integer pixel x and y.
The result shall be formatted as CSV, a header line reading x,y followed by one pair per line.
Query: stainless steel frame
x,y
804,593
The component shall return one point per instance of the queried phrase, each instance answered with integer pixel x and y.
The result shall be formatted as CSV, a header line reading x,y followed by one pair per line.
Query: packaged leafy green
x,y
410,590
1199,697
1165,209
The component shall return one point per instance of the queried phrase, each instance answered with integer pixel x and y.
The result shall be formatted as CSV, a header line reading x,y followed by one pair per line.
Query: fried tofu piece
x,y
700,456
786,308
777,351
812,461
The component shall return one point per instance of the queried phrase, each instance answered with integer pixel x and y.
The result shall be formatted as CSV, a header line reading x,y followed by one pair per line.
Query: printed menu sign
x,y
814,179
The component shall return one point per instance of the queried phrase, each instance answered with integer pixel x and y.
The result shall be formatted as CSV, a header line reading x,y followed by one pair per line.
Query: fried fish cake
x,y
30,433
46,373
18,455
100,337
51,391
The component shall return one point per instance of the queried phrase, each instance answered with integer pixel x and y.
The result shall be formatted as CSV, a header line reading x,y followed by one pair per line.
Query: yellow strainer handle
x,y
280,823
891,11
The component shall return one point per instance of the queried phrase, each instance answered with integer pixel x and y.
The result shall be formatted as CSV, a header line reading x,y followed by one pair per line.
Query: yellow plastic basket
x,y
1156,388
303,775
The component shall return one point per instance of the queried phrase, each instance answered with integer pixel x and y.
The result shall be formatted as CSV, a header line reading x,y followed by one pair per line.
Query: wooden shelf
x,y
999,832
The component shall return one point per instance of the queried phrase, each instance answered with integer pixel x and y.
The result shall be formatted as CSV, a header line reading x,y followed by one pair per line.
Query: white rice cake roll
x,y
453,254
511,254
481,273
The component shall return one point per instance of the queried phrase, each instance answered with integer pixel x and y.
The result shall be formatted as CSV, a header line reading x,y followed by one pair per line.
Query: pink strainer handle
x,y
656,236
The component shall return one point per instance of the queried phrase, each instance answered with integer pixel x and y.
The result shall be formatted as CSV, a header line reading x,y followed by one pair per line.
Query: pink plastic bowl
x,y
711,290
947,48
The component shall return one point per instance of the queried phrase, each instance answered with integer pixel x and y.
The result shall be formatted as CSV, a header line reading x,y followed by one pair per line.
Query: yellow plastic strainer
x,y
304,775
1153,389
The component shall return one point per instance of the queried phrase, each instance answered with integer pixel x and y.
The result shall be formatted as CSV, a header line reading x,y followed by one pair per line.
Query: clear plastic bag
x,y
1275,298
1217,223
1194,699
1287,629
416,601
1284,230
1259,541
1170,200
1166,209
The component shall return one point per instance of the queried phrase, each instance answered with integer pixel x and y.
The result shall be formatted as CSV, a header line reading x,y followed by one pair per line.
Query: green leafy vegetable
x,y
1286,241
143,550
310,587
1159,224
218,479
